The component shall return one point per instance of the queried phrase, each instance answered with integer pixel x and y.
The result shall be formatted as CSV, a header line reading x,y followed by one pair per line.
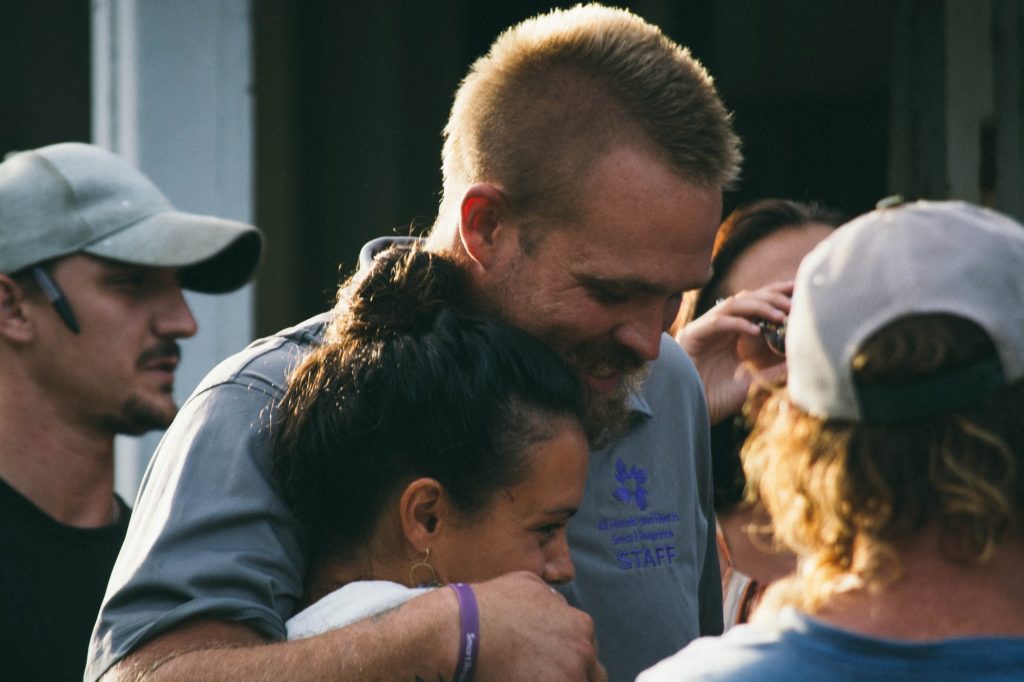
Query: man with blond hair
x,y
584,162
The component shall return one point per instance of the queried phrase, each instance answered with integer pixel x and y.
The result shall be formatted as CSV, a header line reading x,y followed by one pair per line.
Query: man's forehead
x,y
638,269
102,264
641,284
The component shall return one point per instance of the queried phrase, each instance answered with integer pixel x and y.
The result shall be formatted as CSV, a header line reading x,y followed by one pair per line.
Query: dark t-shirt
x,y
52,579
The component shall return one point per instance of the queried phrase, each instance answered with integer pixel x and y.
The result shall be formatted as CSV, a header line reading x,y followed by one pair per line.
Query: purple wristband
x,y
469,632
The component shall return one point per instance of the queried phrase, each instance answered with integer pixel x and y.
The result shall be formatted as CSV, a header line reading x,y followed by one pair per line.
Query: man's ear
x,y
481,215
424,509
14,322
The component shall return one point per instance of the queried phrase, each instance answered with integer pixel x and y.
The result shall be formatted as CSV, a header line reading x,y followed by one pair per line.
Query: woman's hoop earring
x,y
425,570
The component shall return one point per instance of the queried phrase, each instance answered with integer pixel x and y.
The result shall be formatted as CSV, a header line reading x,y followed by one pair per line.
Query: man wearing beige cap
x,y
893,462
93,259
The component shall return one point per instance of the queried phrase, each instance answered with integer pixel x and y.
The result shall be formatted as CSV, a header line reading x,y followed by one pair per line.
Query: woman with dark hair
x,y
422,446
755,258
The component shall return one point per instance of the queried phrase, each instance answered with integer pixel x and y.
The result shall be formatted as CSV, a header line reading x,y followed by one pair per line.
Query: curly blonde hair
x,y
846,497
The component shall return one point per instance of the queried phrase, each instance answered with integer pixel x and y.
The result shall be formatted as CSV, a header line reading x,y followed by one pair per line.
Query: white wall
x,y
172,94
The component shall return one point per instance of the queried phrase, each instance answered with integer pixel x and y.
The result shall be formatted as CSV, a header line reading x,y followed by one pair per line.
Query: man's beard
x,y
607,414
139,415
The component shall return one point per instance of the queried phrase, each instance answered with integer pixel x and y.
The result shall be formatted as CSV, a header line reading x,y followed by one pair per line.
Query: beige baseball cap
x,y
945,257
73,197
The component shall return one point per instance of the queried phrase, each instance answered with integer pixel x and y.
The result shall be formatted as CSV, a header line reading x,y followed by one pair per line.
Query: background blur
x,y
320,120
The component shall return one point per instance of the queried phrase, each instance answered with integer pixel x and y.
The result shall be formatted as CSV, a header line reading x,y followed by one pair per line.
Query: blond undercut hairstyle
x,y
847,498
558,91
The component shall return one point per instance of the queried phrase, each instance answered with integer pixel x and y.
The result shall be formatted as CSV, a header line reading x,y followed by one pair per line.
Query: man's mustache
x,y
161,350
608,357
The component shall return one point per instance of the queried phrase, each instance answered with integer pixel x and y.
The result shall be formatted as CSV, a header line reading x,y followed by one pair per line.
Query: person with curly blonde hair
x,y
892,464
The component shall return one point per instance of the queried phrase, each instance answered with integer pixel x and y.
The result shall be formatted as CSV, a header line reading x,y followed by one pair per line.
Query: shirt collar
x,y
638,404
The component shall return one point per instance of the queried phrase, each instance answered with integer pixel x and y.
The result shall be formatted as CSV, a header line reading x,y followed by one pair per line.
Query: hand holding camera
x,y
741,337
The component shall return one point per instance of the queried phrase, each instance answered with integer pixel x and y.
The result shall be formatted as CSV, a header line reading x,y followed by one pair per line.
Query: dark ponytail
x,y
401,292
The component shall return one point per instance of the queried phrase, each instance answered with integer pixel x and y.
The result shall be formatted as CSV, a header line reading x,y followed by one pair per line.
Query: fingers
x,y
718,327
594,670
586,642
783,286
711,330
770,303
597,673
533,633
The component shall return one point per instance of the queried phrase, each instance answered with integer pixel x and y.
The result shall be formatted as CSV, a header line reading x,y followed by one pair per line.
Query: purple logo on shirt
x,y
631,484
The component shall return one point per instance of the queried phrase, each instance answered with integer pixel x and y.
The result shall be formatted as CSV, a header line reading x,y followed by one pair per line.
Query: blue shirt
x,y
797,647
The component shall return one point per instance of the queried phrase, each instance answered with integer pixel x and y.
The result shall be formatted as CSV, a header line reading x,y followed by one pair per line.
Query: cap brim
x,y
214,255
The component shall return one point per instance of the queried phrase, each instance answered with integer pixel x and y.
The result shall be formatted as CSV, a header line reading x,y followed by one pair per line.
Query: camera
x,y
774,334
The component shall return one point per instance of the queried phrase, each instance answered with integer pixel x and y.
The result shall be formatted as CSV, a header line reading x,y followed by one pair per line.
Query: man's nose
x,y
173,319
642,335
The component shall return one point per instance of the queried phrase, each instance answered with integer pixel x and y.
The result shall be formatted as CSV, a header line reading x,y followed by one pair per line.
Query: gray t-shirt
x,y
211,536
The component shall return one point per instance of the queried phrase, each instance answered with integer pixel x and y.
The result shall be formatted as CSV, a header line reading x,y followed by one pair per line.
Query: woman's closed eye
x,y
550,530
